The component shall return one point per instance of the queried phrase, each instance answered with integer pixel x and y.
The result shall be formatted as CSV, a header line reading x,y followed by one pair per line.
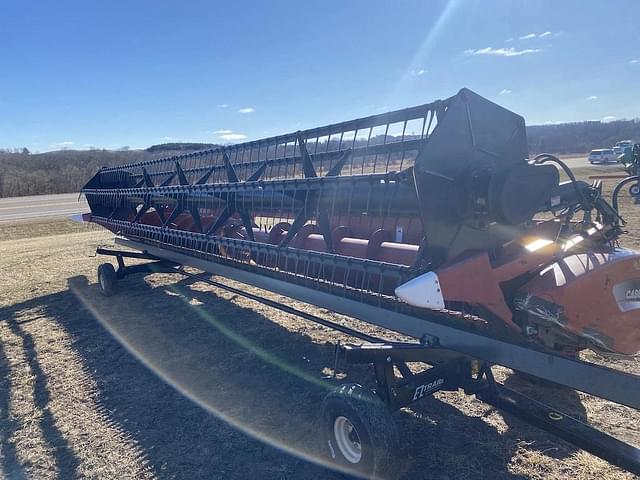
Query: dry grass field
x,y
175,379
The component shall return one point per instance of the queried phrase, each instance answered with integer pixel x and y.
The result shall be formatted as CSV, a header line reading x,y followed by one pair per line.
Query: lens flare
x,y
421,56
186,382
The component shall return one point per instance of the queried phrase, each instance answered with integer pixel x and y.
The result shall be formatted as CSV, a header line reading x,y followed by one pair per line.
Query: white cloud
x,y
504,91
592,97
232,137
420,72
247,110
608,118
531,36
173,140
65,144
634,61
223,105
510,39
229,135
503,52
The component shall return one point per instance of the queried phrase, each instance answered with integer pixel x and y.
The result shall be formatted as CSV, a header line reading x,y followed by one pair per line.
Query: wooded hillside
x,y
23,173
581,137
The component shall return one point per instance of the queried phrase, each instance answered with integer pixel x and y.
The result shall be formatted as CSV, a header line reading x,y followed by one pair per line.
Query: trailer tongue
x,y
429,221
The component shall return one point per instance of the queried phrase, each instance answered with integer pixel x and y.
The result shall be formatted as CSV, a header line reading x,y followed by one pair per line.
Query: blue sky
x,y
113,73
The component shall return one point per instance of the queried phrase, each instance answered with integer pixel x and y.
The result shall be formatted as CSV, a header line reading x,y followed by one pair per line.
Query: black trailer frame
x,y
450,369
614,385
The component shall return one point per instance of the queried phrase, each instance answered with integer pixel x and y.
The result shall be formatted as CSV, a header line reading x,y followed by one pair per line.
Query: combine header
x,y
428,221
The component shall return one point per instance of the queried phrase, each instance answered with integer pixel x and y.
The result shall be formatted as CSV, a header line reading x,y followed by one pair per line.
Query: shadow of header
x,y
246,369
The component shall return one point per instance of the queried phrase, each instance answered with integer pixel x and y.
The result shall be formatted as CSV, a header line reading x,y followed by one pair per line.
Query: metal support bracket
x,y
456,372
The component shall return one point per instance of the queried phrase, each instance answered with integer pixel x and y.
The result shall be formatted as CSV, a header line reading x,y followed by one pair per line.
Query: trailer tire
x,y
359,432
107,279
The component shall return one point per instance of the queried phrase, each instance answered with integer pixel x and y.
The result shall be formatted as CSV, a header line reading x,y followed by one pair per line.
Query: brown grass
x,y
76,401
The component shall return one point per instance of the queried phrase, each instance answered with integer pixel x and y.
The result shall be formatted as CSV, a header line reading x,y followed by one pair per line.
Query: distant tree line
x,y
581,137
63,171
180,147
26,173
23,173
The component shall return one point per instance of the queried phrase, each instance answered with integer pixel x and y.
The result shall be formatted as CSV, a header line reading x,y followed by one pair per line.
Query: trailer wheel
x,y
359,432
107,279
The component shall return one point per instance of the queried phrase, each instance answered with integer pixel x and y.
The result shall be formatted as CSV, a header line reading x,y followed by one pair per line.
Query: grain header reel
x,y
384,208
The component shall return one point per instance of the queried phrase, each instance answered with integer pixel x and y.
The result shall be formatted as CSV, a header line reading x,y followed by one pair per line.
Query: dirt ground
x,y
175,379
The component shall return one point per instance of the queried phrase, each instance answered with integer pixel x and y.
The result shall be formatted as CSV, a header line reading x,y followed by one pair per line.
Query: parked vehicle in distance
x,y
622,146
603,155
626,152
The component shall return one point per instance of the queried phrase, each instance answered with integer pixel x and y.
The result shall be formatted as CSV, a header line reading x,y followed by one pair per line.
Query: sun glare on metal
x,y
538,244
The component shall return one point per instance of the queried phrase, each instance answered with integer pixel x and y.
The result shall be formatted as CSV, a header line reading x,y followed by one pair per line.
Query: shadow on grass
x,y
64,458
562,398
248,371
9,460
